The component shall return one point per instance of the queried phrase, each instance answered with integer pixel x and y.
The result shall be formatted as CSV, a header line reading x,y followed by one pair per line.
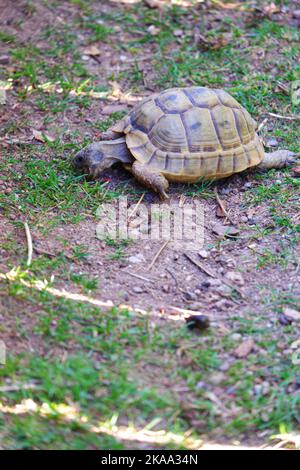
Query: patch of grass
x,y
108,356
53,187
119,248
80,252
88,284
99,31
105,124
4,37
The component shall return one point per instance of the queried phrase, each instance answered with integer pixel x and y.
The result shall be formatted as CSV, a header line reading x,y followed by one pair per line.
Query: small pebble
x,y
4,59
235,277
283,320
223,304
178,32
190,296
236,337
296,14
272,143
136,259
225,366
205,285
138,290
200,385
217,378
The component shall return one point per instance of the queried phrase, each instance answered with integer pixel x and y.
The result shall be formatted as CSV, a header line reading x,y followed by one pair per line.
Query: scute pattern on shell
x,y
187,133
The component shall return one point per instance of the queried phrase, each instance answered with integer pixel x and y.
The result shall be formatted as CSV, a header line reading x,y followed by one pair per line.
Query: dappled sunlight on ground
x,y
127,433
131,433
177,314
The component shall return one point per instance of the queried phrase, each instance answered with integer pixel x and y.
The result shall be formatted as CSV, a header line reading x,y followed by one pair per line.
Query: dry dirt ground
x,y
248,267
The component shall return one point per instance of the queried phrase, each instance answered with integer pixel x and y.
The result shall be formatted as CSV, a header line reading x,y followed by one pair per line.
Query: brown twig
x,y
200,266
184,310
289,118
211,274
136,207
221,204
158,254
283,87
40,251
18,386
173,276
96,59
29,243
138,276
262,124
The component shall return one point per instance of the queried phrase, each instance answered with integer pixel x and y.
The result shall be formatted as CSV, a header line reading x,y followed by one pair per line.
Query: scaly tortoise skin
x,y
182,134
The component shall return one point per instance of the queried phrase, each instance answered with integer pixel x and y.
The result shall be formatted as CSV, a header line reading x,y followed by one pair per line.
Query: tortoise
x,y
184,135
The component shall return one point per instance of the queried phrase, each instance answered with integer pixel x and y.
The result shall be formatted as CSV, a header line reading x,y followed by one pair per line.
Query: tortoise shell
x,y
188,133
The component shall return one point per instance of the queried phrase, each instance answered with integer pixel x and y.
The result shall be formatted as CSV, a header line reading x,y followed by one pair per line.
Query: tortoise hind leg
x,y
150,178
278,159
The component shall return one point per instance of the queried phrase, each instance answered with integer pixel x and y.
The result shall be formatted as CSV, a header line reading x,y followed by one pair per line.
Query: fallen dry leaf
x,y
41,136
220,212
154,3
270,9
225,230
116,89
207,43
153,30
113,108
296,171
92,50
178,32
4,59
244,349
295,344
291,314
235,277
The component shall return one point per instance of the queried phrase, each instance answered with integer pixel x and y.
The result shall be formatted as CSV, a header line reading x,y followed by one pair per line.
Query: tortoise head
x,y
92,159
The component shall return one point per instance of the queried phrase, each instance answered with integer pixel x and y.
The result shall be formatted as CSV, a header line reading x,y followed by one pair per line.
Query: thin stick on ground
x,y
220,202
199,265
289,118
262,124
50,254
29,243
173,276
184,311
138,276
211,274
136,207
158,254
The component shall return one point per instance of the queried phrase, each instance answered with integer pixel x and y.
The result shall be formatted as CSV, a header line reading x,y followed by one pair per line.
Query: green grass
x,y
106,356
52,186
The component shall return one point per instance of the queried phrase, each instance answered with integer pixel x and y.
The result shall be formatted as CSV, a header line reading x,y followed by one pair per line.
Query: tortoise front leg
x,y
278,159
150,178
